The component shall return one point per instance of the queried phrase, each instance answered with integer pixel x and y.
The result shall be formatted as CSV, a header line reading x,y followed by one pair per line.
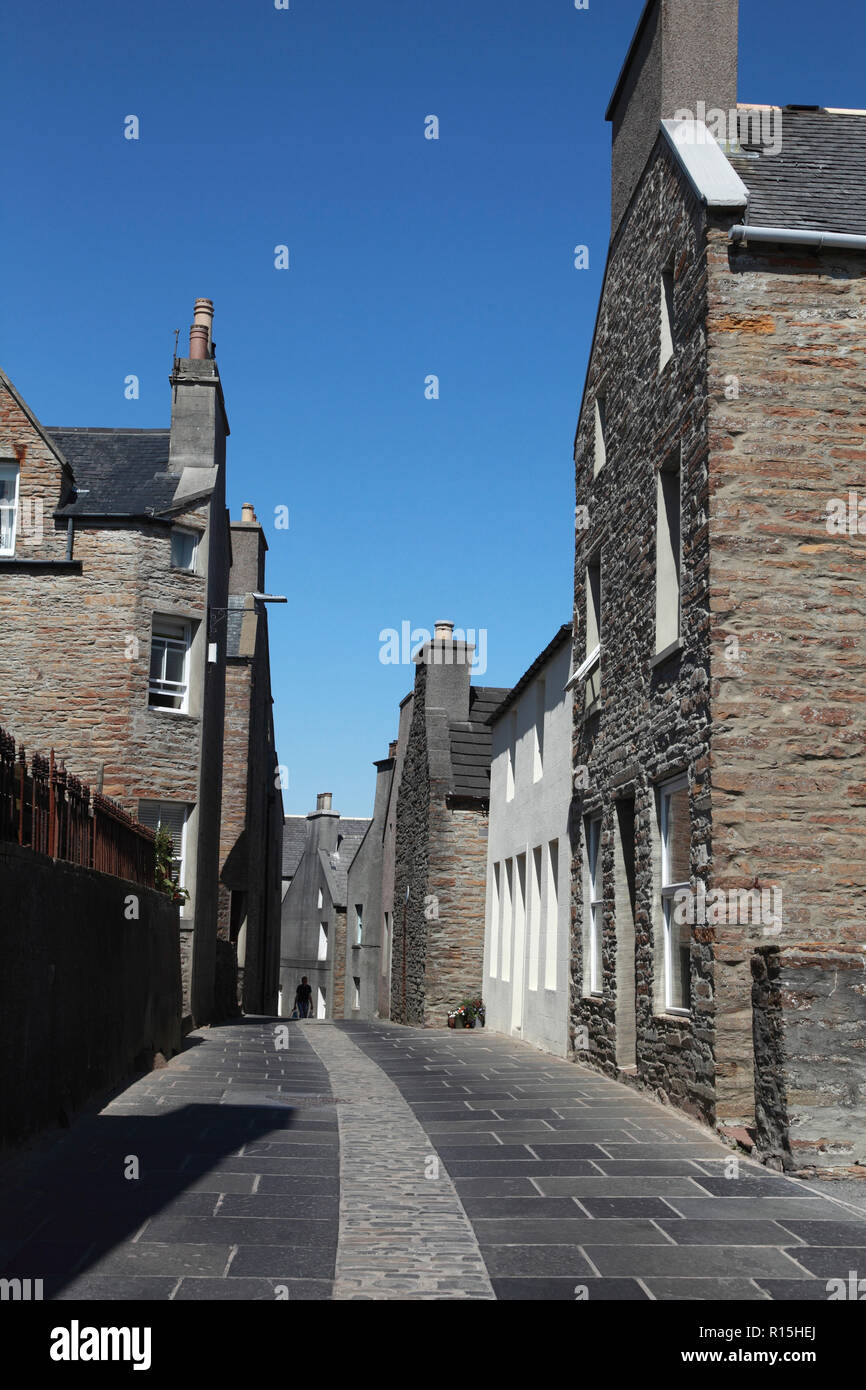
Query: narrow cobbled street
x,y
344,1161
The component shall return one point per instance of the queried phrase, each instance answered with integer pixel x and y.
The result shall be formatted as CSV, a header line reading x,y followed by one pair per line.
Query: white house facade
x,y
527,924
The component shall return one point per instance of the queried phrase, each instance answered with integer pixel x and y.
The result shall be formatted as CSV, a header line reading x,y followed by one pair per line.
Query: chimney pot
x,y
392,748
248,514
323,801
201,332
443,631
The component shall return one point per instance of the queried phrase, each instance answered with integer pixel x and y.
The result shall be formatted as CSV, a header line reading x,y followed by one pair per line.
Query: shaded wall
x,y
88,992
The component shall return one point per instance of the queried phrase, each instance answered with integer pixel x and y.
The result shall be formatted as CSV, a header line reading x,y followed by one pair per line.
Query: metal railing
x,y
45,808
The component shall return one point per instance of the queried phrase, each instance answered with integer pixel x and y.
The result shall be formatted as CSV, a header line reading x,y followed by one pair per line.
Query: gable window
x,y
512,756
538,750
599,458
174,816
668,553
169,664
323,941
8,507
184,545
666,347
675,874
594,906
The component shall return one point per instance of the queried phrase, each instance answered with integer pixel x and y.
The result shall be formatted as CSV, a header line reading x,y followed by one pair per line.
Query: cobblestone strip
x,y
403,1234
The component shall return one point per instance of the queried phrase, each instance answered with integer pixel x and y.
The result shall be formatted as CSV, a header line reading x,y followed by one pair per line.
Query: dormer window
x,y
184,545
8,507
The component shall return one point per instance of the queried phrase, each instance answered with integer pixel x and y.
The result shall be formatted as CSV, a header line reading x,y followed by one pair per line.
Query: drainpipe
x,y
795,237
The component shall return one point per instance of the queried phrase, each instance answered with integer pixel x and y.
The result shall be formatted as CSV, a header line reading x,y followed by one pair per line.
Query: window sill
x,y
161,710
666,653
675,1014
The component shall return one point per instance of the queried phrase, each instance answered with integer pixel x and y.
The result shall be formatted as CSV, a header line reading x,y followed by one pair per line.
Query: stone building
x,y
251,837
440,851
114,567
719,880
527,931
314,908
370,912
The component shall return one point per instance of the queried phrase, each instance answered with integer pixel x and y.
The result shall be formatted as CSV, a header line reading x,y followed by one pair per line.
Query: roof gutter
x,y
795,237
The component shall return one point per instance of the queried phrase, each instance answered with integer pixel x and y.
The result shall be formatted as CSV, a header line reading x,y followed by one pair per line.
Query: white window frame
x,y
182,687
12,470
195,537
595,908
668,892
323,941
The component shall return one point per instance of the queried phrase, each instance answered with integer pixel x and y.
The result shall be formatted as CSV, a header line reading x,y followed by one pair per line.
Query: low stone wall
x,y
90,986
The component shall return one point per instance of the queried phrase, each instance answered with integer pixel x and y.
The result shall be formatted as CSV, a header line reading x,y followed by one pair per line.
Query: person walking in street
x,y
304,998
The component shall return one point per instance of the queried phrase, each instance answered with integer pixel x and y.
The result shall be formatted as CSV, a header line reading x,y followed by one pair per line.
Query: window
x,y
174,816
595,906
323,941
538,754
512,756
675,874
359,917
319,904
668,554
590,671
169,664
8,507
321,1006
183,548
356,1002
506,919
534,918
599,457
386,943
552,914
494,922
667,317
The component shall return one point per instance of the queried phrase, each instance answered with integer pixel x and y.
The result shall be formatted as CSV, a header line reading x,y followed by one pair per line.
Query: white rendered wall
x,y
536,815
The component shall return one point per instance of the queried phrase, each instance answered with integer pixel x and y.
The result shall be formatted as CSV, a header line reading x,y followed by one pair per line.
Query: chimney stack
x,y
683,52
448,666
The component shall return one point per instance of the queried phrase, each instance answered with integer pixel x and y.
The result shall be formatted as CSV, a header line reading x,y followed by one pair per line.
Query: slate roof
x,y
471,744
124,471
562,636
294,842
818,177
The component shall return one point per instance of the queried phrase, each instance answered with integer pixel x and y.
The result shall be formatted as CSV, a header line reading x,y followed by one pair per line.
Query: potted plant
x,y
162,878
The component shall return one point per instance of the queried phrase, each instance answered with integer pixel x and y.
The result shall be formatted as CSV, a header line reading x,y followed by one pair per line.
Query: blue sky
x,y
408,257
